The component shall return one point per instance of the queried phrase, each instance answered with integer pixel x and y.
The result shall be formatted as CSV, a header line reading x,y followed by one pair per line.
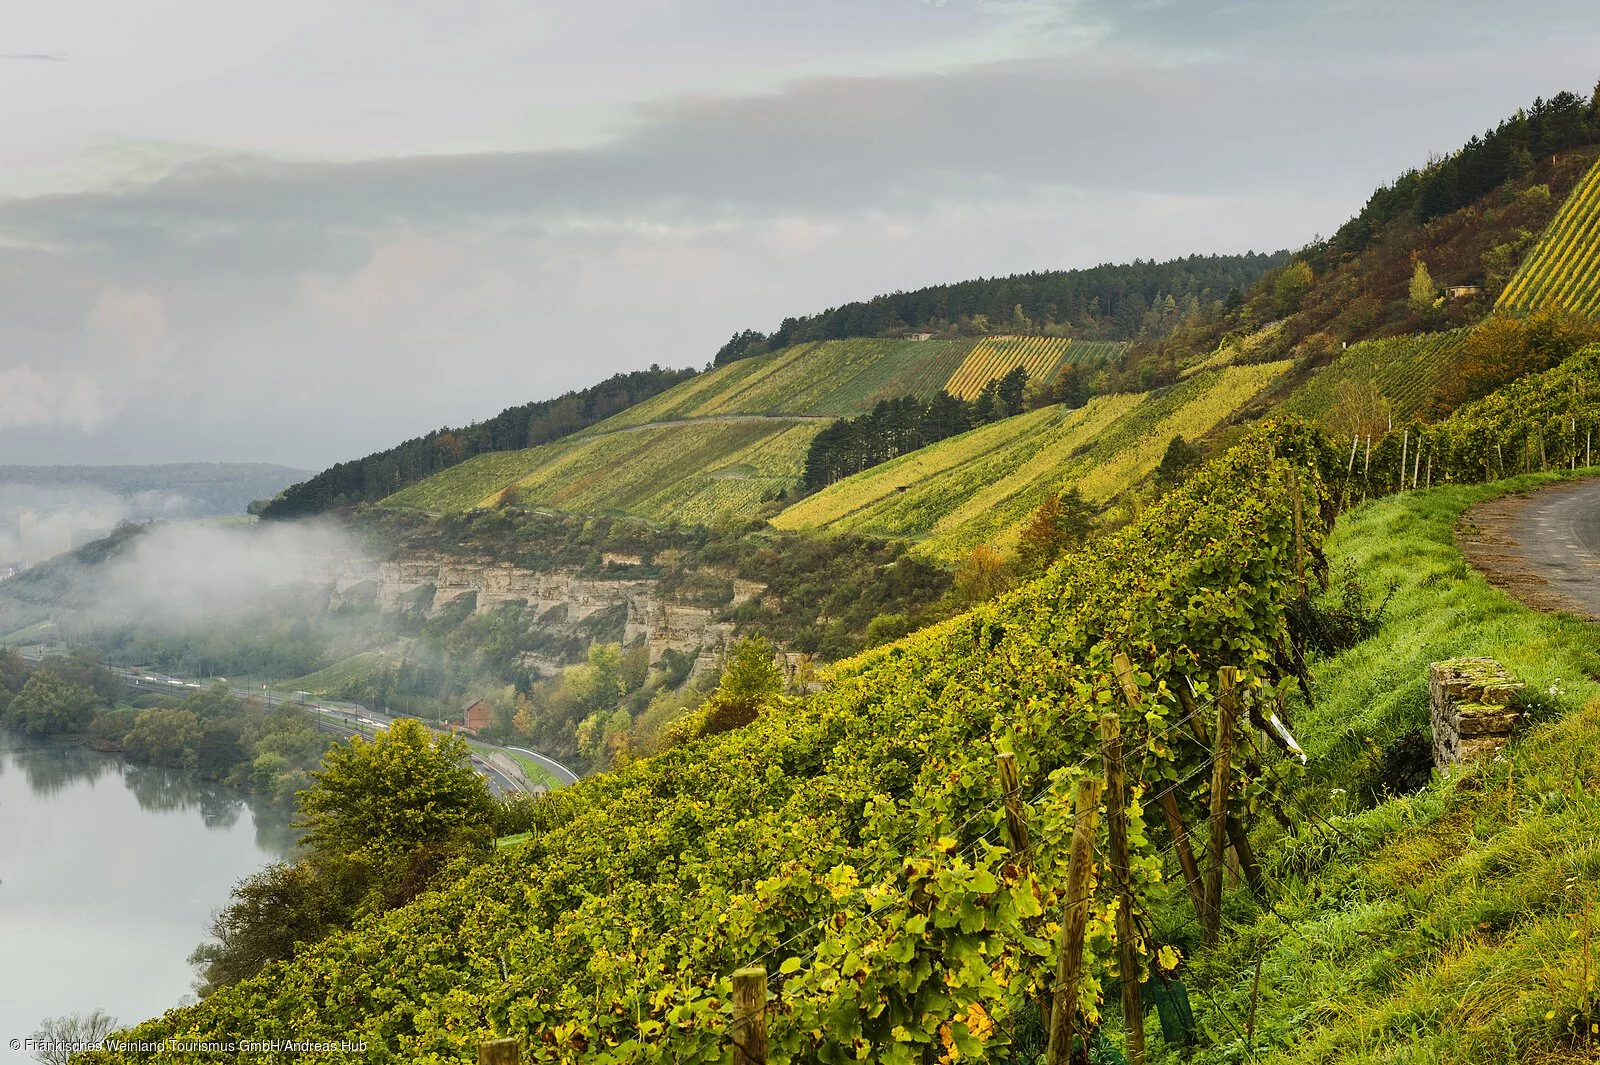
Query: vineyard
x,y
1541,422
855,842
910,900
1042,357
696,471
981,486
1406,371
1563,270
833,377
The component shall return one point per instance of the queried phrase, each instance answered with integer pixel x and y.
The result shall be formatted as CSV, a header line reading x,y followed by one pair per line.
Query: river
x,y
109,872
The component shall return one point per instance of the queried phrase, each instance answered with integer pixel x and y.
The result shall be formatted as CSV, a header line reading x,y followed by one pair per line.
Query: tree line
x,y
896,426
1565,121
381,474
1109,301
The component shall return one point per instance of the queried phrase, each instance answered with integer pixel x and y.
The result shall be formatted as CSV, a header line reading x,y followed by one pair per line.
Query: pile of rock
x,y
1470,700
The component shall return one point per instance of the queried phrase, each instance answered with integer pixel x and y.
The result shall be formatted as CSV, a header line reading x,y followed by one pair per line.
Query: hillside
x,y
839,378
382,473
854,842
688,471
981,486
1118,301
1563,270
733,440
748,844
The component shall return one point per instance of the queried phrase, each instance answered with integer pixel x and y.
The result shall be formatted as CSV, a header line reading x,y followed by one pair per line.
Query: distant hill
x,y
47,510
177,491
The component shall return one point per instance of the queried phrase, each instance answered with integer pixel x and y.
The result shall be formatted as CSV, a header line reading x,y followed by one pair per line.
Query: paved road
x,y
561,772
343,718
1543,547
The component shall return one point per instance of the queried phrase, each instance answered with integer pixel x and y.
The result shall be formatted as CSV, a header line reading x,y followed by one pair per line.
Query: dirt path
x,y
1542,548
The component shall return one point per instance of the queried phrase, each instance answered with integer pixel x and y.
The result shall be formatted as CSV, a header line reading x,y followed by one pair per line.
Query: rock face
x,y
559,594
1469,701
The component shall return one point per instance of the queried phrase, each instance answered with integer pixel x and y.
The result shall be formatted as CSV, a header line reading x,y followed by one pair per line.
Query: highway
x,y
346,719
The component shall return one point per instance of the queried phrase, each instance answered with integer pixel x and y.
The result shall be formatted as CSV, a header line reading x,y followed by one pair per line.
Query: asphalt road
x,y
1542,547
1558,534
343,718
561,772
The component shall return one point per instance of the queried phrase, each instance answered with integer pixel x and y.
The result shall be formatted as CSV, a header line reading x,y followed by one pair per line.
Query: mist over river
x,y
109,872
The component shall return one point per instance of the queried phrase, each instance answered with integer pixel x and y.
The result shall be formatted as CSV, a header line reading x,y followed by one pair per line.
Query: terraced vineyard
x,y
833,377
981,486
1563,270
696,471
1042,357
1407,371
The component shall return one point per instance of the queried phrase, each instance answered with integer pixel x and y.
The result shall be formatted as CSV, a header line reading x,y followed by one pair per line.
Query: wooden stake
x,y
1227,700
1416,466
1117,824
1016,816
1405,439
1299,540
1186,859
1075,919
1240,842
750,1016
499,1052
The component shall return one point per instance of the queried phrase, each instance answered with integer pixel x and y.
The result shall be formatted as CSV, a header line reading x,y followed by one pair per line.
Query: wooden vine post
x,y
1168,802
1122,876
1074,921
1299,534
750,1016
1222,751
499,1052
1016,817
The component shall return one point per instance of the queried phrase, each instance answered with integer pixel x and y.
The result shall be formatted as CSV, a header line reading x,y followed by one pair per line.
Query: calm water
x,y
109,872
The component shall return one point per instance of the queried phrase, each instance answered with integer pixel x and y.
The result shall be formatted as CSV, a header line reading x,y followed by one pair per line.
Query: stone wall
x,y
1469,701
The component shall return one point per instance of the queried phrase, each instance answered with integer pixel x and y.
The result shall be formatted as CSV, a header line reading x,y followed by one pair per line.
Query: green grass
x,y
1446,926
696,472
535,772
338,676
981,486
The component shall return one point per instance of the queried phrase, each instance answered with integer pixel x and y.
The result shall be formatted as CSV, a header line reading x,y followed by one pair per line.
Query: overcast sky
x,y
300,230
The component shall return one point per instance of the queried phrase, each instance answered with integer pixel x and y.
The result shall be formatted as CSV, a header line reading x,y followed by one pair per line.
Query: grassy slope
x,y
981,486
1438,927
691,472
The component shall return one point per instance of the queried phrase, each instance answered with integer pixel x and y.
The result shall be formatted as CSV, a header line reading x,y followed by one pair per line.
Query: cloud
x,y
133,322
401,272
310,308
36,57
32,397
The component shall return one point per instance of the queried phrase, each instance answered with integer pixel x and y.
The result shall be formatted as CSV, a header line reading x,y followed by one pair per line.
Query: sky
x,y
297,231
